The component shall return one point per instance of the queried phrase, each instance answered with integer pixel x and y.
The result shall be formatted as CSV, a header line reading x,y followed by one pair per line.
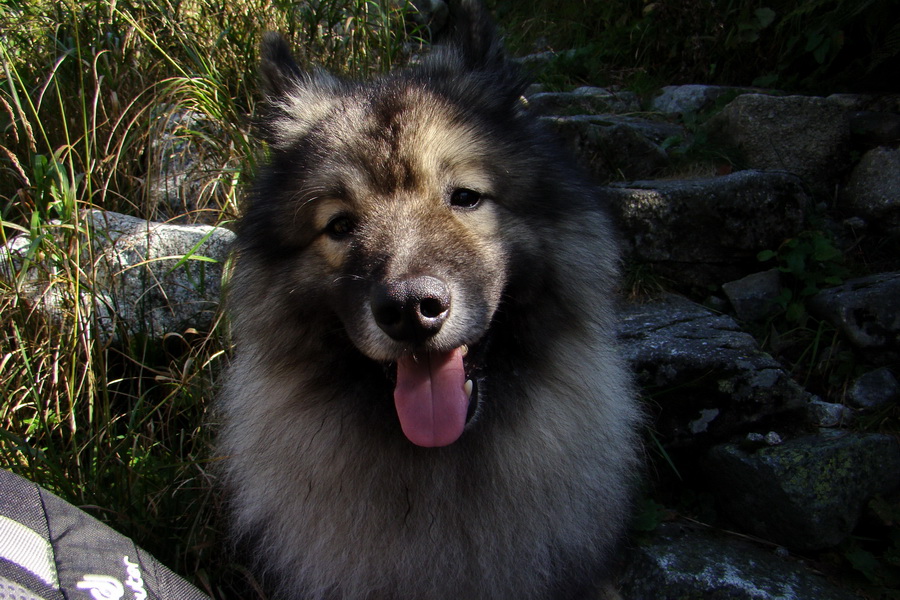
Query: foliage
x,y
809,44
809,262
813,348
877,556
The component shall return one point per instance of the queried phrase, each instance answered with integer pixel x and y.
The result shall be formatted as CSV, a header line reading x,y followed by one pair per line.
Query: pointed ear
x,y
470,29
296,100
278,70
468,54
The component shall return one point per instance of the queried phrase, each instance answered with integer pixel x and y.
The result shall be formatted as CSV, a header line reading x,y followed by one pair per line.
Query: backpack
x,y
51,550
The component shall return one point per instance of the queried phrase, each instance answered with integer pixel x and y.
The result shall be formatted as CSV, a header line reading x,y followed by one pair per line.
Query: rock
x,y
180,165
704,232
13,257
870,128
542,60
654,131
679,561
709,379
36,279
874,389
873,190
867,311
585,100
616,147
754,441
803,135
754,296
828,414
807,493
887,103
692,98
138,277
156,278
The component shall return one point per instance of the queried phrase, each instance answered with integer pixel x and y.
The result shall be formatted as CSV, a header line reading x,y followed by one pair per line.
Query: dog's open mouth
x,y
436,395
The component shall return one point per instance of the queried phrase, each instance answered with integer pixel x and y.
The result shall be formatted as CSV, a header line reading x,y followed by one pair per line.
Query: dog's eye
x,y
340,226
465,198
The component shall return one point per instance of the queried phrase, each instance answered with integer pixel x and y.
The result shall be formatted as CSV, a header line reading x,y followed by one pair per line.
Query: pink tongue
x,y
430,399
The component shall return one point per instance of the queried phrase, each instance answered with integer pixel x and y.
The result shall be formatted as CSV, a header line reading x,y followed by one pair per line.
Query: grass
x,y
86,89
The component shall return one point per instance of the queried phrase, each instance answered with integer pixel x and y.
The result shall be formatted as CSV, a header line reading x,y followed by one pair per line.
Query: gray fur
x,y
532,499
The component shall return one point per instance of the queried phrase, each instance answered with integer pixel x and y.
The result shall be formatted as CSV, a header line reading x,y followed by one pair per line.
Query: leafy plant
x,y
809,262
877,555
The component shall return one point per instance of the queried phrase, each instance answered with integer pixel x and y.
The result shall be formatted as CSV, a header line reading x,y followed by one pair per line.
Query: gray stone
x,y
754,441
807,493
692,98
874,389
873,190
888,103
139,277
804,135
26,268
585,100
870,128
867,311
16,255
181,166
828,414
705,232
541,60
679,561
155,278
616,147
709,379
754,296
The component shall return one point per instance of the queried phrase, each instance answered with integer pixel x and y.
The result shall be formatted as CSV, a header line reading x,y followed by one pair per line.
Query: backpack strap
x,y
51,550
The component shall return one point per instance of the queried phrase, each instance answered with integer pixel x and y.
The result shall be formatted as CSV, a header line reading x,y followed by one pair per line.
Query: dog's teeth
x,y
468,386
464,349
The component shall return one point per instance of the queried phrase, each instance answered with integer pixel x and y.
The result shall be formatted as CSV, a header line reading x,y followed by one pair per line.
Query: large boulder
x,y
705,232
693,98
873,190
138,277
584,100
616,147
867,311
678,561
807,493
709,379
155,278
804,135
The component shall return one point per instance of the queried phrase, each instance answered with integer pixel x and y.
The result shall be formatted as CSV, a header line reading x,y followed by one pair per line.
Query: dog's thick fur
x,y
431,187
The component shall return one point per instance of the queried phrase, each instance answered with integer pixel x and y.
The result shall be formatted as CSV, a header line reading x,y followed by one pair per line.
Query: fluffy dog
x,y
426,399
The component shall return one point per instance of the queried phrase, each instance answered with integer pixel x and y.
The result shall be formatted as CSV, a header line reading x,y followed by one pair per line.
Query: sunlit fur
x,y
331,498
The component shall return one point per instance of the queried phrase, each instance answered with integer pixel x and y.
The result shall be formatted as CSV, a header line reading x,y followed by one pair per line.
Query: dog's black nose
x,y
411,309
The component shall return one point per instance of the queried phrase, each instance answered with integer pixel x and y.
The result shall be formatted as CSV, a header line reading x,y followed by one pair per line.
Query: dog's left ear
x,y
278,71
295,99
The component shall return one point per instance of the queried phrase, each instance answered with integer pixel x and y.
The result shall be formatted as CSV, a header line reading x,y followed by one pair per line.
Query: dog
x,y
426,399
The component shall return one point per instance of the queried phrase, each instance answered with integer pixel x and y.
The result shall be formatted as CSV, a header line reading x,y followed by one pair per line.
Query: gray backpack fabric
x,y
50,550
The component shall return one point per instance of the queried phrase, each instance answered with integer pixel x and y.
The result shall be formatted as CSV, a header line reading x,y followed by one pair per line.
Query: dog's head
x,y
395,203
